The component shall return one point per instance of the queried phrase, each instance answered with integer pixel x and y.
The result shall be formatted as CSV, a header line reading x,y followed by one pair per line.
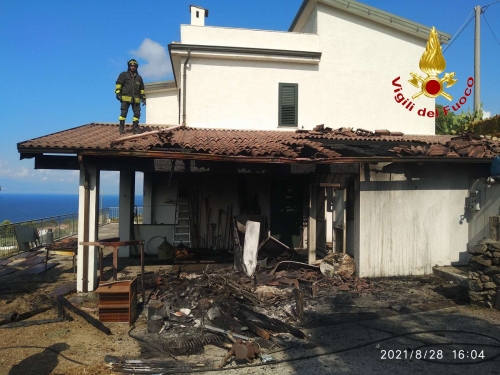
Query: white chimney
x,y
198,15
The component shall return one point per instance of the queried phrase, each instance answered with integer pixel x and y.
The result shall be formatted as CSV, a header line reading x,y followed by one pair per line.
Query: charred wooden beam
x,y
285,327
241,290
8,318
315,289
313,284
89,319
31,313
226,332
30,323
253,326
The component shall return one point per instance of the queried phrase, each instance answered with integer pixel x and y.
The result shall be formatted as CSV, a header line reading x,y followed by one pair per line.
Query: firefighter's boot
x,y
122,126
135,127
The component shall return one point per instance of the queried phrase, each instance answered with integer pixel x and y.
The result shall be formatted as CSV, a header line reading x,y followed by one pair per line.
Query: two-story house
x,y
245,128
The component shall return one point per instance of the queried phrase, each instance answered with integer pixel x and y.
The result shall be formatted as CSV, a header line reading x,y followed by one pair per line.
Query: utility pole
x,y
477,60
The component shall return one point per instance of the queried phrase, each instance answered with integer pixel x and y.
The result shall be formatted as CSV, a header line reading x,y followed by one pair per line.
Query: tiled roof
x,y
467,145
318,144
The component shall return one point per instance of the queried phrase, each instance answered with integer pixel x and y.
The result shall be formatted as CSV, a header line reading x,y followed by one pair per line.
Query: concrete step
x,y
457,274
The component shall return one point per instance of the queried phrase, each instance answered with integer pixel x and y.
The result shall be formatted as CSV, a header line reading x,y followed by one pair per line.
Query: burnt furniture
x,y
67,246
118,301
115,244
27,238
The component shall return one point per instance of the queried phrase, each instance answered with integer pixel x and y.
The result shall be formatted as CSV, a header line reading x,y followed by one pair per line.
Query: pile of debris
x,y
250,316
485,279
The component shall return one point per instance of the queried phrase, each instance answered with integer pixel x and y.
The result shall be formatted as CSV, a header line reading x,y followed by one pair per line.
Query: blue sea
x,y
23,207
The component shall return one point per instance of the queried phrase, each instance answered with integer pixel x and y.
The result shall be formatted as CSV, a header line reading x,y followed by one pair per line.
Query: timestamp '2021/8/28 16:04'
x,y
432,354
468,354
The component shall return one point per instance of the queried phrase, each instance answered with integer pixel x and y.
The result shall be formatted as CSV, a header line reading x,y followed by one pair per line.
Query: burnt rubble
x,y
254,317
466,145
214,304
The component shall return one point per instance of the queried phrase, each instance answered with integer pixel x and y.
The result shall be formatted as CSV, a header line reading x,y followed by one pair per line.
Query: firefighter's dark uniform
x,y
130,88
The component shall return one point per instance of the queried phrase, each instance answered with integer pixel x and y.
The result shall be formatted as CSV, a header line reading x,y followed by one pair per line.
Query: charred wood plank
x,y
264,325
18,291
8,318
30,262
312,284
31,313
315,289
63,289
246,294
37,269
89,319
253,326
238,249
285,327
226,332
30,323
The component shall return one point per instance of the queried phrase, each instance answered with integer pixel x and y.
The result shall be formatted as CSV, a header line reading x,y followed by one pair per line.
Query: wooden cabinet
x,y
118,301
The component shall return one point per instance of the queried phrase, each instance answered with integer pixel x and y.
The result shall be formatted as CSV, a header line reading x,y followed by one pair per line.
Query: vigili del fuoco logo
x,y
432,63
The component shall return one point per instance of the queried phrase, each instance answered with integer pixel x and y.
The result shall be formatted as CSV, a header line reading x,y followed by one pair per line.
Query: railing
x,y
114,214
61,225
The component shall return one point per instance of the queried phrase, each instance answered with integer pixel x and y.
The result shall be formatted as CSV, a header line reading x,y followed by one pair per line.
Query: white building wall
x,y
350,87
311,25
249,38
164,198
162,107
359,61
407,226
244,94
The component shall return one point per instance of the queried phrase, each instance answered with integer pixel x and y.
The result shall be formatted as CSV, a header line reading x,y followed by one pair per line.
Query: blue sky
x,y
60,60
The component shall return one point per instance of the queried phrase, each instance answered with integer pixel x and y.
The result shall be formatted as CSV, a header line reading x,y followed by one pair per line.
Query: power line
x,y
494,36
462,28
486,6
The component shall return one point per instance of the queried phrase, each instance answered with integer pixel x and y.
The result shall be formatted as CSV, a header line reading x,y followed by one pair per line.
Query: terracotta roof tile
x,y
321,143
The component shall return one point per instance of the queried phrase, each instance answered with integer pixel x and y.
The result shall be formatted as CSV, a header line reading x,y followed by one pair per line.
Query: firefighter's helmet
x,y
133,62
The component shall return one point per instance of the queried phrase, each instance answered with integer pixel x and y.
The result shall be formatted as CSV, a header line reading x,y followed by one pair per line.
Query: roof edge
x,y
242,50
376,15
160,85
160,154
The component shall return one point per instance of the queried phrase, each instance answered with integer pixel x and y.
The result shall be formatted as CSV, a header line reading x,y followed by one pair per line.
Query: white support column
x,y
127,185
88,223
147,212
83,204
311,225
93,226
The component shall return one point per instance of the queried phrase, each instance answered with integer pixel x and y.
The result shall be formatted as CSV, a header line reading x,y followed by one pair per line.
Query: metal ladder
x,y
182,228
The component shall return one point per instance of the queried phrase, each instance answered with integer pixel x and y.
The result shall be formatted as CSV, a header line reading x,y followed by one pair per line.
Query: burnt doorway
x,y
287,202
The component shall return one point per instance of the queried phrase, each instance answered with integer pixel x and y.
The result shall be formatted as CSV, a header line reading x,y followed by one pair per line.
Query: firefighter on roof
x,y
130,92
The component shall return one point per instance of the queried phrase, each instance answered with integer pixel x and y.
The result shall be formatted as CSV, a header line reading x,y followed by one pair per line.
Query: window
x,y
288,104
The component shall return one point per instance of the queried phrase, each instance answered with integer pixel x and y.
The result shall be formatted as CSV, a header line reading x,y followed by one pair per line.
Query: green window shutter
x,y
288,104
